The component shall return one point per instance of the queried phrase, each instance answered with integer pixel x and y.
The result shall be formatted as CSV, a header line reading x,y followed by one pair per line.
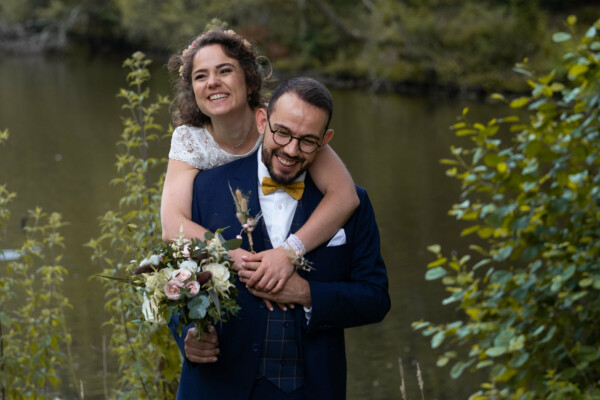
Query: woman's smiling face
x,y
218,81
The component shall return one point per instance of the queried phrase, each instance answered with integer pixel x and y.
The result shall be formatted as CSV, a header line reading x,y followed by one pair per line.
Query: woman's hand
x,y
270,270
237,256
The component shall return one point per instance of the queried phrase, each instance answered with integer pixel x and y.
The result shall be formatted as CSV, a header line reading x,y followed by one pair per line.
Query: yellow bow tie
x,y
294,189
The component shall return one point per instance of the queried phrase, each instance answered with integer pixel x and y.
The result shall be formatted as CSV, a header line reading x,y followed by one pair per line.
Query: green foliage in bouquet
x,y
530,296
35,342
147,358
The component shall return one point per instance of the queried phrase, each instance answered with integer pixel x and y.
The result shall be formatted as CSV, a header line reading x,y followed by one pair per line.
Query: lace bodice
x,y
197,147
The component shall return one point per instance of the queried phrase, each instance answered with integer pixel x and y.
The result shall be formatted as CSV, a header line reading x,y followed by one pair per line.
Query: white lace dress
x,y
197,147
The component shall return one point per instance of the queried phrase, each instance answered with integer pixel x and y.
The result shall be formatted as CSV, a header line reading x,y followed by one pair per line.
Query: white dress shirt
x,y
278,208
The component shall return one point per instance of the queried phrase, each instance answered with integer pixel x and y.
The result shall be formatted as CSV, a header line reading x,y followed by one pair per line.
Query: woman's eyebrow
x,y
217,66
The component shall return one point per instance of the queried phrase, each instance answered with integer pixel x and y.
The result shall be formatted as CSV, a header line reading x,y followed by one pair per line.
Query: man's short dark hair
x,y
309,90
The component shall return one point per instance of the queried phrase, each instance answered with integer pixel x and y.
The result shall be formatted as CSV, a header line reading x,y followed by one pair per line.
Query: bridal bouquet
x,y
191,279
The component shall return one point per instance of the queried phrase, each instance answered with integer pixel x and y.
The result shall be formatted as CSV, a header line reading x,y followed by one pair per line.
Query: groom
x,y
298,353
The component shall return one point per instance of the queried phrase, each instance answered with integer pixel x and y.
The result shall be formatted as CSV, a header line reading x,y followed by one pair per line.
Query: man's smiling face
x,y
300,119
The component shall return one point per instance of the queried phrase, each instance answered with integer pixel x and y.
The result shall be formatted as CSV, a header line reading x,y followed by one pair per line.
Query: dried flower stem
x,y
420,381
402,385
242,213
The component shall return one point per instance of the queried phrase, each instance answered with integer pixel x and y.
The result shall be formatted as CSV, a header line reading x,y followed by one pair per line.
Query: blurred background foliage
x,y
449,46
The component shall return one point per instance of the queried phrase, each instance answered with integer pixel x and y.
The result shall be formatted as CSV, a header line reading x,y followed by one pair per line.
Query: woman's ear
x,y
261,120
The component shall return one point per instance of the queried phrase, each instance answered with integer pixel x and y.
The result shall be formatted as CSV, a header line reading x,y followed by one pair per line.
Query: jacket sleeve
x,y
362,298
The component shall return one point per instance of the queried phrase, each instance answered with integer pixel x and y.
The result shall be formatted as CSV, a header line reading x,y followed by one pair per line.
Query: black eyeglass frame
x,y
300,140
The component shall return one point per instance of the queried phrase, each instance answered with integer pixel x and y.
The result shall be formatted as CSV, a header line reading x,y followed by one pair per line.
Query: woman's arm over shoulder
x,y
339,202
176,204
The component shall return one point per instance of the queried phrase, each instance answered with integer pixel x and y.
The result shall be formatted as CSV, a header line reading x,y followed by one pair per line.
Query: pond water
x,y
64,120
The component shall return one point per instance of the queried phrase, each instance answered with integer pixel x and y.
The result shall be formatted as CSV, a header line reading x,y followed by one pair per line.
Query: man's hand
x,y
295,291
272,269
204,351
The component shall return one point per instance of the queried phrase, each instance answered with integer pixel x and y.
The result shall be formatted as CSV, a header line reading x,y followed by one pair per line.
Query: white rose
x,y
220,276
155,259
190,265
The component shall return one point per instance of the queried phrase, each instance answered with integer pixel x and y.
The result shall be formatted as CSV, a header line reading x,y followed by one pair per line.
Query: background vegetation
x,y
147,357
529,292
35,340
410,45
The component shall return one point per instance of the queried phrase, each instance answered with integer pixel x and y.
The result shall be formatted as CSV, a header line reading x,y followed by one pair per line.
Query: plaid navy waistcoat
x,y
280,360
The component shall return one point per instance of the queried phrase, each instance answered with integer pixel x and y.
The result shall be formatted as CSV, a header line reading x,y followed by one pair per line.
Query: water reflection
x,y
63,117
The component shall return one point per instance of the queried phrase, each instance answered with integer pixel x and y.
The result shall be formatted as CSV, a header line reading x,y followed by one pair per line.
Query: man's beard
x,y
267,157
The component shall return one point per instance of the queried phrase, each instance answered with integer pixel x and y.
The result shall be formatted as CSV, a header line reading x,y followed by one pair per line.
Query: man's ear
x,y
327,137
261,120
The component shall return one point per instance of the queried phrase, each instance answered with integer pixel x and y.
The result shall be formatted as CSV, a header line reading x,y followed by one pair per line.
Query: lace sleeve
x,y
184,147
196,147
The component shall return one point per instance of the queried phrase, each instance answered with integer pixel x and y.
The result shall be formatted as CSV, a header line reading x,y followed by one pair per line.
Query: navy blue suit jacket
x,y
349,287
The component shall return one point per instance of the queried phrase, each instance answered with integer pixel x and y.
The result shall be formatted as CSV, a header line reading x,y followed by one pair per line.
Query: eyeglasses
x,y
282,137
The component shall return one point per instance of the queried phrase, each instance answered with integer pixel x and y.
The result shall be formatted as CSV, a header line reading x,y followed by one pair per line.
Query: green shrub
x,y
148,359
530,292
35,342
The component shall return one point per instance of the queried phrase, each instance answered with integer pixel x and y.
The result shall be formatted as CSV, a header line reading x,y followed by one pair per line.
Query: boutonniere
x,y
242,213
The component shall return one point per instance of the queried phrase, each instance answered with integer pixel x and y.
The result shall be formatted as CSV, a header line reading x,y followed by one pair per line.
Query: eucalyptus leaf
x,y
198,306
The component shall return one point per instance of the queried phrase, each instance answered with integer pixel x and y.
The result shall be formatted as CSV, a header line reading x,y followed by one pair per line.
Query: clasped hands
x,y
269,275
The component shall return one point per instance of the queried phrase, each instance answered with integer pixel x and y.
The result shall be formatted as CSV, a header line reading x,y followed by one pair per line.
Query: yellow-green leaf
x,y
434,248
520,102
547,79
469,230
464,132
437,263
577,70
547,91
586,282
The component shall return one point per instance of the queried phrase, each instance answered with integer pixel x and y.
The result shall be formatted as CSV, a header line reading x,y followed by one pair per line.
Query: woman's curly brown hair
x,y
185,108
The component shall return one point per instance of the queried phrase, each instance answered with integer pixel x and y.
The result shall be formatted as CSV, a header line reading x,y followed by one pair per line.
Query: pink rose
x,y
193,287
173,289
182,275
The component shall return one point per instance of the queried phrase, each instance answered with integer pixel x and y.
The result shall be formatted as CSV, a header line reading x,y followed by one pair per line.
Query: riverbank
x,y
459,50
